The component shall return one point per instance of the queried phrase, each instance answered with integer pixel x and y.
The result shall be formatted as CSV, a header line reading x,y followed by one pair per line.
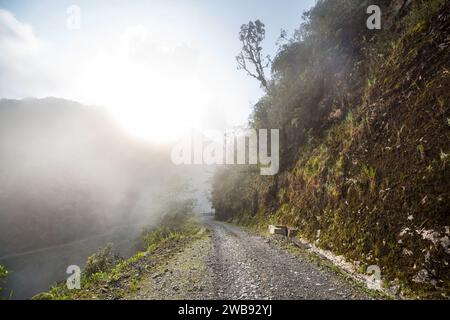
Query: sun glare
x,y
160,113
153,99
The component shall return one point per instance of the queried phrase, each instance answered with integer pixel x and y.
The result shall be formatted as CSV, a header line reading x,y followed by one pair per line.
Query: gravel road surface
x,y
233,264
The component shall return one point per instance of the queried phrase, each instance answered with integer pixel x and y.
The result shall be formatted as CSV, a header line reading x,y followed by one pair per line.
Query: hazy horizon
x,y
142,60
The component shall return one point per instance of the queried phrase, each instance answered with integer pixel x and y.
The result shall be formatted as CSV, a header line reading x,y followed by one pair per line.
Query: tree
x,y
251,36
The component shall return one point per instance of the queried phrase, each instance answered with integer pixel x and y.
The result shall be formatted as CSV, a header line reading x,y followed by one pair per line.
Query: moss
x,y
382,169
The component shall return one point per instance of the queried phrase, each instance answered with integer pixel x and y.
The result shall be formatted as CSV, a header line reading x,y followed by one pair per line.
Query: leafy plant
x,y
3,275
101,261
444,156
421,150
369,172
421,11
368,175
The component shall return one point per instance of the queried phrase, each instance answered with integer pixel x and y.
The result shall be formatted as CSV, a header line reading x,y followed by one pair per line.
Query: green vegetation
x,y
3,275
364,142
422,11
107,276
251,35
99,262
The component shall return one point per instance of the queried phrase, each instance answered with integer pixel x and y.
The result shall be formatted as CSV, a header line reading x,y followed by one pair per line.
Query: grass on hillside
x,y
106,276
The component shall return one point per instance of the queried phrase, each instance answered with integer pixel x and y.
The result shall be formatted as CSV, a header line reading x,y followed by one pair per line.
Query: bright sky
x,y
160,66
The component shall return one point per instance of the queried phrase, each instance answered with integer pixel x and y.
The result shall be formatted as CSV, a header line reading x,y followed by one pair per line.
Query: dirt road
x,y
234,264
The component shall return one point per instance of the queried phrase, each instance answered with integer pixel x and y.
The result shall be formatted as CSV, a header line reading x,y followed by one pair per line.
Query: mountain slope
x,y
373,184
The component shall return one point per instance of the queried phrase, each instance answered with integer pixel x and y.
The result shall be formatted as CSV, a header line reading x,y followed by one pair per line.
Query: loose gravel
x,y
231,263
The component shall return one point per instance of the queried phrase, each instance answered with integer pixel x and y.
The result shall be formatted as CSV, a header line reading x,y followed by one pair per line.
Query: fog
x,y
71,181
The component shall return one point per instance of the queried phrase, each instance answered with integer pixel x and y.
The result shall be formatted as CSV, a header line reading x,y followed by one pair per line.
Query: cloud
x,y
20,53
140,77
15,36
138,46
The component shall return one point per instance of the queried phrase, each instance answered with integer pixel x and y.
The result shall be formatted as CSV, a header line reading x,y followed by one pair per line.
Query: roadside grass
x,y
109,277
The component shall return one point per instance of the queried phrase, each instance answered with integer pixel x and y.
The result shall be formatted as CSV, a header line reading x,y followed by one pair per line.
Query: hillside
x,y
333,184
365,140
68,171
71,181
188,257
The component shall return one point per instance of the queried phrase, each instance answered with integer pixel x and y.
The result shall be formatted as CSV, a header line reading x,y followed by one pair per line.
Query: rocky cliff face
x,y
374,186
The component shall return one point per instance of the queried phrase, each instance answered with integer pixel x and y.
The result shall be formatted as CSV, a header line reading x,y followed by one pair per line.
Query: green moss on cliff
x,y
375,186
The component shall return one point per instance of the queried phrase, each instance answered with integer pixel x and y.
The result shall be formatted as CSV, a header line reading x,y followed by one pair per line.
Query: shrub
x,y
43,296
171,226
101,261
3,274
